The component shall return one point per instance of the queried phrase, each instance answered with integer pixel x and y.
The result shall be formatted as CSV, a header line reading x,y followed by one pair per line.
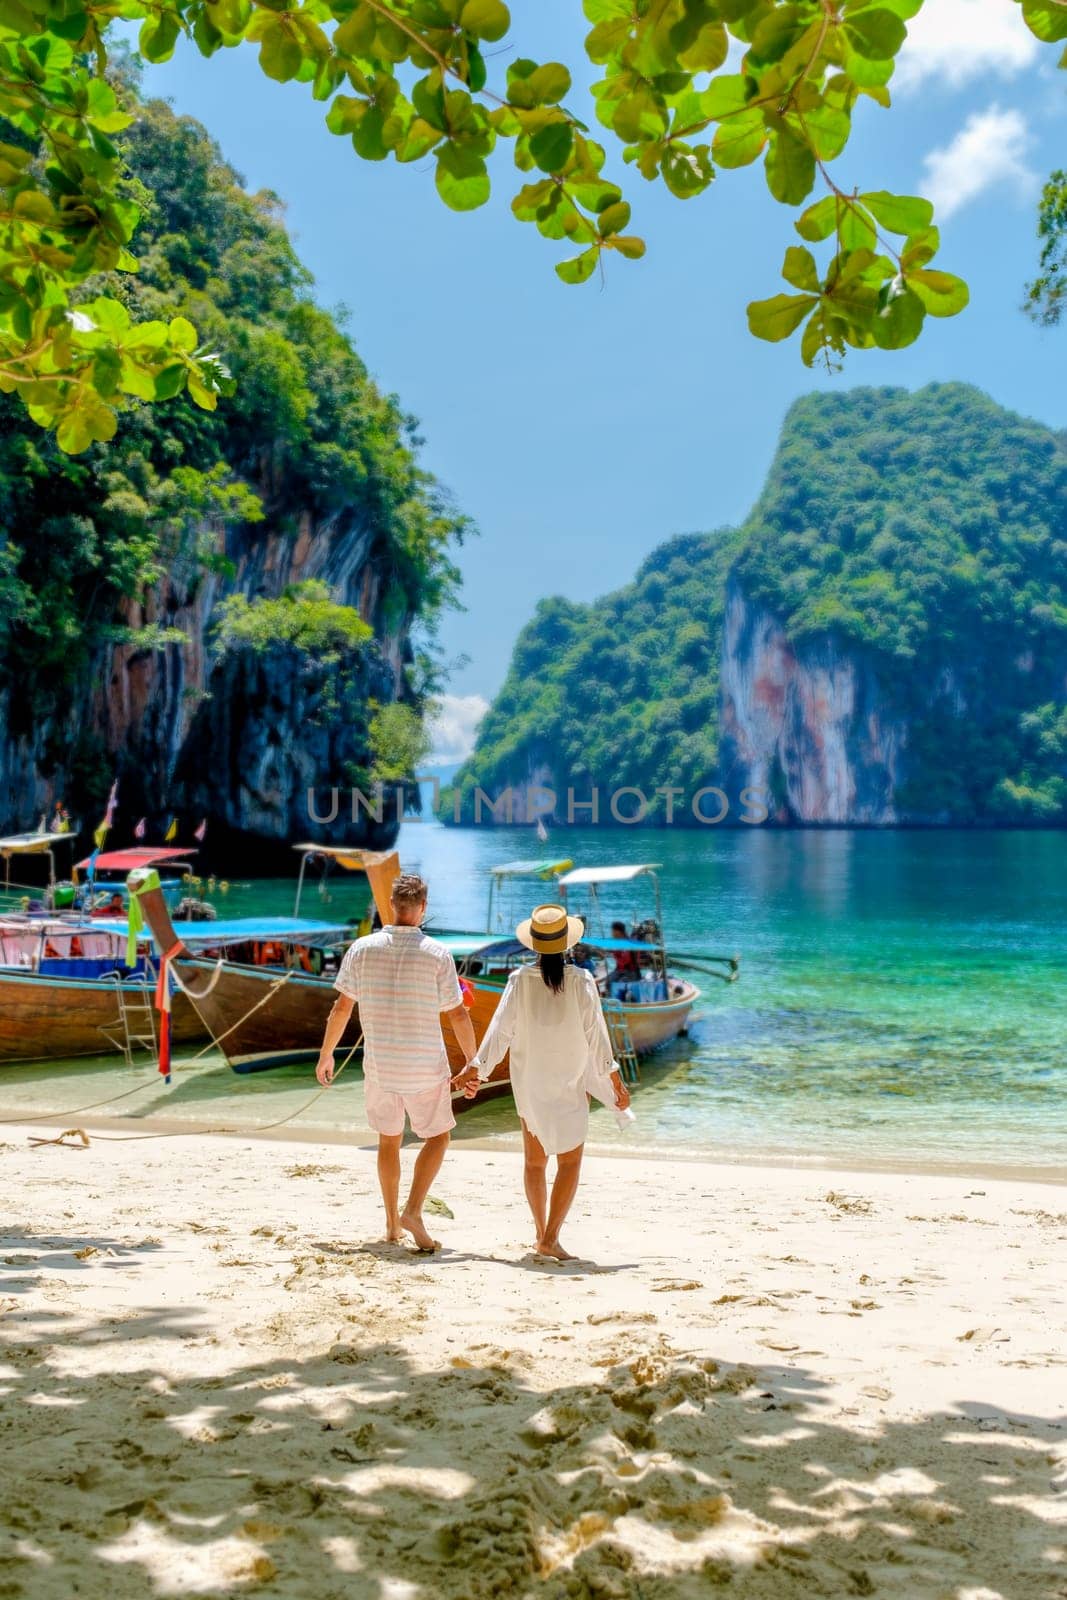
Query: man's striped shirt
x,y
402,980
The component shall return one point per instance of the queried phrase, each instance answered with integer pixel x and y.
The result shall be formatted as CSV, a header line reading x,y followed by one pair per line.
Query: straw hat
x,y
550,931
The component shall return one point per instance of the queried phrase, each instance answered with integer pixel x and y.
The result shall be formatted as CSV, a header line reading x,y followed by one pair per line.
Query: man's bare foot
x,y
417,1228
553,1248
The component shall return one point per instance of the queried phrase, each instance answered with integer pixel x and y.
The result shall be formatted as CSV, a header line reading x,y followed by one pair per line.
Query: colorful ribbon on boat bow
x,y
135,924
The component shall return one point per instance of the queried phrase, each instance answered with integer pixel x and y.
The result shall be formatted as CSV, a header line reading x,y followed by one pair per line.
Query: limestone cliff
x,y
116,568
806,724
883,641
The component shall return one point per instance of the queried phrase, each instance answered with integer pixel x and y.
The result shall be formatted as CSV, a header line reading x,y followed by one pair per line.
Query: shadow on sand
x,y
348,1473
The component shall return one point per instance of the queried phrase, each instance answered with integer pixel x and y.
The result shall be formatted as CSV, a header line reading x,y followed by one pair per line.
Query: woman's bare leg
x,y
535,1180
564,1189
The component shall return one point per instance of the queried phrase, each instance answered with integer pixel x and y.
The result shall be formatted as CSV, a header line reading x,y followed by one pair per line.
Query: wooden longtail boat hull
x,y
263,1018
47,1019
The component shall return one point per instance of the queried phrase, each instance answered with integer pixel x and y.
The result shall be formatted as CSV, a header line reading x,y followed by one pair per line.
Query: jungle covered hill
x,y
883,641
218,608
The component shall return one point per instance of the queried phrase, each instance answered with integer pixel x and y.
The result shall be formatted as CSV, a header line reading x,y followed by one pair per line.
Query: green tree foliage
x,y
399,742
308,435
410,80
1047,295
305,615
618,692
926,532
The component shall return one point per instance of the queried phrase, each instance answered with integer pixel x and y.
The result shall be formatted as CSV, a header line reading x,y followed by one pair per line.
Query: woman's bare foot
x,y
553,1248
393,1235
417,1228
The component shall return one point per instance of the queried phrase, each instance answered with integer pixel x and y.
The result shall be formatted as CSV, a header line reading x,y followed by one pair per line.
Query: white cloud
x,y
953,41
453,726
987,150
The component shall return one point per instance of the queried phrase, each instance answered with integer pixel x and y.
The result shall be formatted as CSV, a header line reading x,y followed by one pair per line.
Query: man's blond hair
x,y
408,890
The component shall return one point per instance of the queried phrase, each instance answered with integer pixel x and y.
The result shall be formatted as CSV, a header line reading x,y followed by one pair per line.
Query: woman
x,y
550,1019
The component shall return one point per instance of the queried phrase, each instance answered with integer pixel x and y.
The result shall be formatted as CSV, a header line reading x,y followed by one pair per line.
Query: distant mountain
x,y
883,641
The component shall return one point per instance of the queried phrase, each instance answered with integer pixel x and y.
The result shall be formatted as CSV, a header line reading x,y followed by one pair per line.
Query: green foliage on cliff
x,y
308,436
623,691
305,615
925,532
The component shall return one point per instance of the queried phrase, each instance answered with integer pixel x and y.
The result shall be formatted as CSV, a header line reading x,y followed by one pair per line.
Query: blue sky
x,y
580,427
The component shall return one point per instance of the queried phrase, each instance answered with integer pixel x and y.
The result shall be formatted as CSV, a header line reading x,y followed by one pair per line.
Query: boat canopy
x,y
349,856
460,946
157,855
381,866
595,875
32,844
612,945
531,869
239,930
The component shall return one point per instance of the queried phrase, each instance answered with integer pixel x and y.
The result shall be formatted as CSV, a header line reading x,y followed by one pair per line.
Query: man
x,y
404,982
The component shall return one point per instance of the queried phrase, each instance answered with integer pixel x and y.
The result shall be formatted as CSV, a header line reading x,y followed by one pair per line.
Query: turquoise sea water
x,y
902,998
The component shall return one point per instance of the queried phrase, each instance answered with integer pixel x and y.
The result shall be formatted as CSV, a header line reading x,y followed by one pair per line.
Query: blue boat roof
x,y
294,930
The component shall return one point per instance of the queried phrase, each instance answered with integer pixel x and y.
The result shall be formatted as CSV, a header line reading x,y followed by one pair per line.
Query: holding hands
x,y
467,1080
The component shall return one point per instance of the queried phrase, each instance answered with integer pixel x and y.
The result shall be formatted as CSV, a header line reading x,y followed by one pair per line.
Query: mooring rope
x,y
172,1133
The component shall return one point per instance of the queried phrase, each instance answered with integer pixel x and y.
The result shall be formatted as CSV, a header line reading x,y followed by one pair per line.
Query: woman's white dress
x,y
560,1053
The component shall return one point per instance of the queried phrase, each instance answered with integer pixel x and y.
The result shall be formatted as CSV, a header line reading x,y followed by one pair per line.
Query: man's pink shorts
x,y
430,1111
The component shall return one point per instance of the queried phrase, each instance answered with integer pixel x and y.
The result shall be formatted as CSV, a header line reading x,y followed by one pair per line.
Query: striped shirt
x,y
402,980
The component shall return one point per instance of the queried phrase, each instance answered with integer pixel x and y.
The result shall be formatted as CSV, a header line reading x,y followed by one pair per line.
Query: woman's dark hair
x,y
552,969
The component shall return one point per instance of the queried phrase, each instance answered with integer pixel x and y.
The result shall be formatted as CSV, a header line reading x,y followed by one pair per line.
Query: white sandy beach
x,y
765,1383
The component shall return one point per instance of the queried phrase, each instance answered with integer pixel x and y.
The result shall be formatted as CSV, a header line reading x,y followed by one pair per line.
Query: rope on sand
x,y
176,1133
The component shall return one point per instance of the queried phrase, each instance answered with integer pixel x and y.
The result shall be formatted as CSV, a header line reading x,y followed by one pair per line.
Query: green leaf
x,y
920,248
899,213
790,166
800,270
628,245
687,171
486,19
819,221
856,230
157,38
775,319
900,322
613,218
88,419
530,86
1046,19
875,34
739,141
182,333
724,96
170,380
604,10
462,179
941,293
579,268
828,129
551,146
280,54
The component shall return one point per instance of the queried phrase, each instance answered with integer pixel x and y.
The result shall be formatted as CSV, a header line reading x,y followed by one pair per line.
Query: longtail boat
x,y
65,990
261,1018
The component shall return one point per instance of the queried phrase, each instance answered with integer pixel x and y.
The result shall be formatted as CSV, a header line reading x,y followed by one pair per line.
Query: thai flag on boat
x,y
199,833
139,831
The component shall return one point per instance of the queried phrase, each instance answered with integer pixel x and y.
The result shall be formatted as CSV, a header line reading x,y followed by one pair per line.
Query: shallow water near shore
x,y
902,999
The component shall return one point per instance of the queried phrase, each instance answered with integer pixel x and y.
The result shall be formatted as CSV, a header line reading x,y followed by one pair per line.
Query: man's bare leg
x,y
389,1181
427,1167
535,1180
564,1189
